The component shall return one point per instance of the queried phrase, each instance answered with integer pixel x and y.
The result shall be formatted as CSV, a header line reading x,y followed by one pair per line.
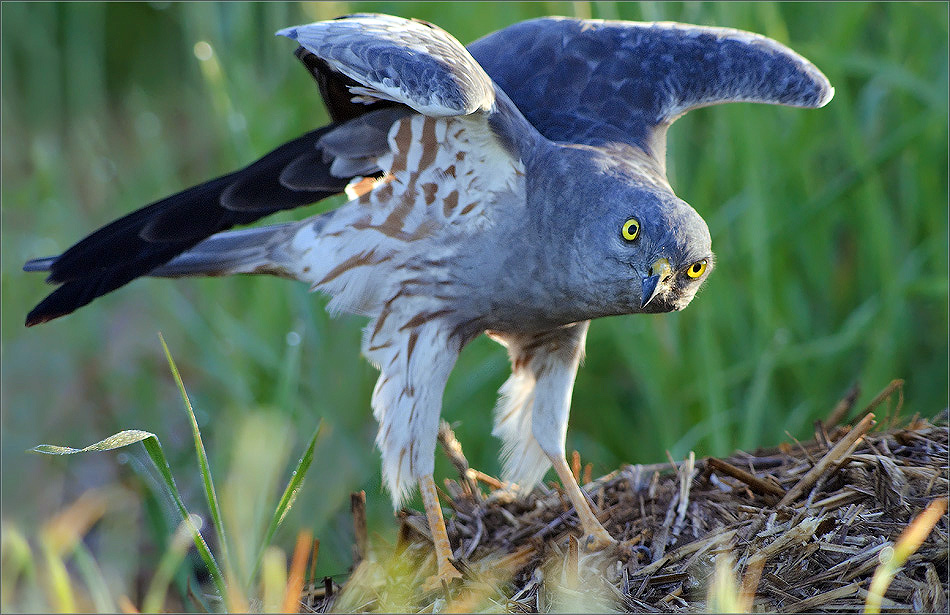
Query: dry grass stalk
x,y
360,532
844,406
908,542
295,578
758,485
815,549
834,455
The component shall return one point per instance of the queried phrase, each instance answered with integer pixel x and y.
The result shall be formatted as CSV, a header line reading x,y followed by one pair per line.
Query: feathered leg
x,y
415,356
531,417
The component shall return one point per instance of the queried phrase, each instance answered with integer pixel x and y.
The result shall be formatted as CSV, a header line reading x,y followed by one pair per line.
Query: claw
x,y
596,538
446,574
598,541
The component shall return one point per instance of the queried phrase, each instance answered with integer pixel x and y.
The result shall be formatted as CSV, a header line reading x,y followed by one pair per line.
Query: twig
x,y
576,466
756,484
571,563
822,599
821,435
896,384
453,450
843,407
802,448
358,509
686,482
831,457
314,554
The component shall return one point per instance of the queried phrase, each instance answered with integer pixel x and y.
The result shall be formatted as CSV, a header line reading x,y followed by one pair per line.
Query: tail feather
x,y
137,243
170,237
254,250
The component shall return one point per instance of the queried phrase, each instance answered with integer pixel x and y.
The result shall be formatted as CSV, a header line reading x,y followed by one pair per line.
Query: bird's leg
x,y
440,538
543,368
416,360
595,536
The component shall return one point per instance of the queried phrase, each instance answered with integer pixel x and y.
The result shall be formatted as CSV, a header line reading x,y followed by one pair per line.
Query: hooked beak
x,y
659,271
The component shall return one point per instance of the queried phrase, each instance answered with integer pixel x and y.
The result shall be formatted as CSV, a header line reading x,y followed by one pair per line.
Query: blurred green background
x,y
830,228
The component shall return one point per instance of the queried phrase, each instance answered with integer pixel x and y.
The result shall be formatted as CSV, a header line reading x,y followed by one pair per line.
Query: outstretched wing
x,y
593,81
447,165
371,70
407,61
147,238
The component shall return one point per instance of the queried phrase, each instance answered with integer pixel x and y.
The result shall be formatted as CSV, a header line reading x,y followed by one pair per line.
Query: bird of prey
x,y
515,188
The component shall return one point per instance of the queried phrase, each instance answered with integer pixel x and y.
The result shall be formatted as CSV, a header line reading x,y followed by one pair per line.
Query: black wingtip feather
x,y
335,89
143,240
150,237
39,264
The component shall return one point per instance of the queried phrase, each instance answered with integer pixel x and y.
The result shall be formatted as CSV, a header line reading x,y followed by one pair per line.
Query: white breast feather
x,y
442,177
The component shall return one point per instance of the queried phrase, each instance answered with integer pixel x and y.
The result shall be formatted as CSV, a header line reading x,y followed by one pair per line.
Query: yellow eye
x,y
631,228
697,269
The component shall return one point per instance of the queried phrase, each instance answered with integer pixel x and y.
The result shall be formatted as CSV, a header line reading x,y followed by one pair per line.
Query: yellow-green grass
x,y
830,228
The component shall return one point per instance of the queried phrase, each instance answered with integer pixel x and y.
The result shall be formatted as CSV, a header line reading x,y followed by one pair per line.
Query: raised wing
x,y
447,166
406,61
593,82
389,65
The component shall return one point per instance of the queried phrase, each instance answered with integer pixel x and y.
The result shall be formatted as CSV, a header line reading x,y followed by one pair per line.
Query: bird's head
x,y
658,250
615,238
627,243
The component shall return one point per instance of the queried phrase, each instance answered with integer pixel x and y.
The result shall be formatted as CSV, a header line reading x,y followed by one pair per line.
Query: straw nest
x,y
800,527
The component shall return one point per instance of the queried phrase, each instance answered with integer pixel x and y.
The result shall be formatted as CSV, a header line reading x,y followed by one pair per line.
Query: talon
x,y
597,541
632,550
446,575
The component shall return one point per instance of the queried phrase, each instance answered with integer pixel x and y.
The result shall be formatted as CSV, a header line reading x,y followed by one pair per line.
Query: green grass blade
x,y
17,566
91,573
171,560
61,588
203,463
288,497
154,449
119,440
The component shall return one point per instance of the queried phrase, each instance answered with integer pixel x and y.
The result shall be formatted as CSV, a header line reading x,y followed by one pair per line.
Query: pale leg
x,y
440,538
595,536
532,414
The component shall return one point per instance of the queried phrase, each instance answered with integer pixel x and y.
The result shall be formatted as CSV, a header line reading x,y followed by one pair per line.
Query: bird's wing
x,y
450,165
375,59
594,82
147,238
402,60
335,89
297,173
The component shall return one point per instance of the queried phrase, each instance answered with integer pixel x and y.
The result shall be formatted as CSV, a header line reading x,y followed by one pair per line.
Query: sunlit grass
x,y
254,470
893,558
830,228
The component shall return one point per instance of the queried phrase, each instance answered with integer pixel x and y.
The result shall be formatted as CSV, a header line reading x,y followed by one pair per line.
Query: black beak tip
x,y
648,290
